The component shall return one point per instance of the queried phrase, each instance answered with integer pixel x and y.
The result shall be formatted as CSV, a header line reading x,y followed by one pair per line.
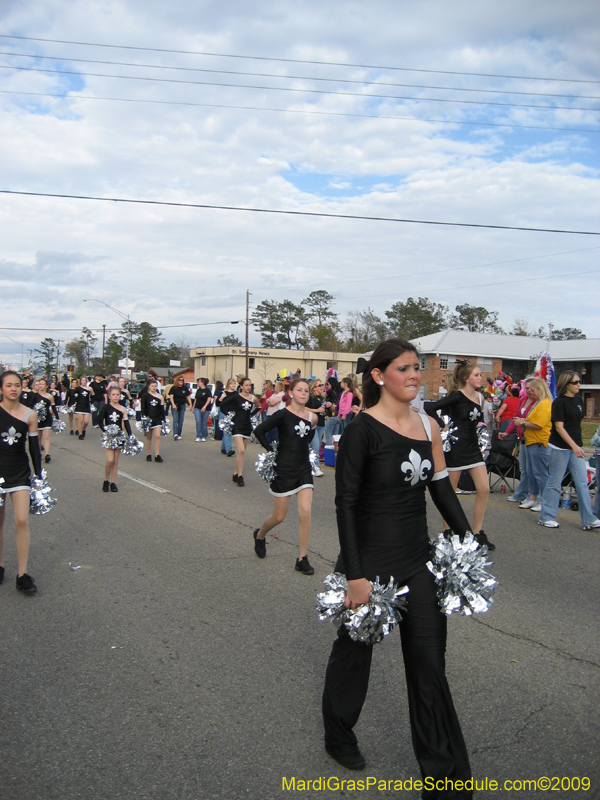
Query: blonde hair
x,y
231,381
448,382
279,386
542,389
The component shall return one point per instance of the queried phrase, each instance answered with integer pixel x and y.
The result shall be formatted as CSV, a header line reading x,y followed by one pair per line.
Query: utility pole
x,y
549,331
103,344
58,358
247,328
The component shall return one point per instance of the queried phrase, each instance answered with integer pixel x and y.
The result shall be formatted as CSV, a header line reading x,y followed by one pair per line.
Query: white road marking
x,y
144,483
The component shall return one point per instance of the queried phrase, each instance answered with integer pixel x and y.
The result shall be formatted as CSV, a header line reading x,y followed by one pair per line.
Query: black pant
x,y
99,404
436,736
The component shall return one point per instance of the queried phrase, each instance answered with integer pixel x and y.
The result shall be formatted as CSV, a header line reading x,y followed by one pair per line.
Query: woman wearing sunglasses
x,y
565,452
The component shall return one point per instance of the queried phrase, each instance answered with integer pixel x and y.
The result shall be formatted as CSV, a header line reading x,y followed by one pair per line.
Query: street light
x,y
121,314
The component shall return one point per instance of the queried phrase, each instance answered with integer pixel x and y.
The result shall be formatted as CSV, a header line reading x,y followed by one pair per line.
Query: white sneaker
x,y
202,440
549,523
527,504
592,525
318,473
512,499
198,439
537,508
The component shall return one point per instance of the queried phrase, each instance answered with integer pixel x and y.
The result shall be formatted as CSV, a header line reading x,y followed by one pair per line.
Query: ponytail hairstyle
x,y
462,372
448,381
382,357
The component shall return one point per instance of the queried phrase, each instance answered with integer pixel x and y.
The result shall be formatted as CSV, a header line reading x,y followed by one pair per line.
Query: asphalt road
x,y
175,664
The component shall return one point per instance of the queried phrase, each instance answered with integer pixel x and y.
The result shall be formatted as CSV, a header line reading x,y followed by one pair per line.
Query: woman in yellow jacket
x,y
536,428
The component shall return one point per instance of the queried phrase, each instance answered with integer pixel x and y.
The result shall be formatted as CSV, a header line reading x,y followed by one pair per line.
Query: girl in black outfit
x,y
28,394
464,406
82,396
242,405
71,400
153,406
113,414
295,425
45,426
18,424
386,459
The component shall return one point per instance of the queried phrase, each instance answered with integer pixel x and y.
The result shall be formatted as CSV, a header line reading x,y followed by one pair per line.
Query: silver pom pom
x,y
459,571
58,426
449,437
40,410
266,463
371,622
483,438
255,422
131,412
314,461
93,408
165,428
67,409
2,493
143,424
113,437
226,424
40,501
132,446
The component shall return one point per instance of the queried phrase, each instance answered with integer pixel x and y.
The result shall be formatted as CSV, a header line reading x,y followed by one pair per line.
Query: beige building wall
x,y
222,363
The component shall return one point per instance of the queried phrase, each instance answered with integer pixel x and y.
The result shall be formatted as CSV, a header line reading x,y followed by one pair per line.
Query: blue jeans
x,y
332,427
201,423
226,441
178,415
537,468
315,442
559,461
522,490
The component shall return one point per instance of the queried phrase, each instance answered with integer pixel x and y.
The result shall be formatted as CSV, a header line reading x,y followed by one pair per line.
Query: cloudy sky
x,y
464,112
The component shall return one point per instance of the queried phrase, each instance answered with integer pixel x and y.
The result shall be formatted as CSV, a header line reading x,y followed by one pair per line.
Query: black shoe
x,y
260,545
113,487
231,453
302,565
82,435
223,452
483,539
72,433
1,574
349,757
158,459
148,458
42,448
240,480
105,486
47,459
26,584
235,477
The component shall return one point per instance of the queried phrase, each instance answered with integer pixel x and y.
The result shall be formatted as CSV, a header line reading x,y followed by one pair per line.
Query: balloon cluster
x,y
40,501
371,622
459,571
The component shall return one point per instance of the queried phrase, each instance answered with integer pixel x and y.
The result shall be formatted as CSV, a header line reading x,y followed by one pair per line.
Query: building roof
x,y
491,345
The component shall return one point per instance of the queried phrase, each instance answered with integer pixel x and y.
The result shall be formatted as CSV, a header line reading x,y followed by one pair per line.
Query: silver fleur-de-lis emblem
x,y
416,468
11,436
153,402
114,416
246,405
474,414
302,429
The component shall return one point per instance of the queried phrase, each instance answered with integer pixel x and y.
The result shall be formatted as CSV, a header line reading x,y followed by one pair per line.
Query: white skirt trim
x,y
466,466
240,436
293,491
17,489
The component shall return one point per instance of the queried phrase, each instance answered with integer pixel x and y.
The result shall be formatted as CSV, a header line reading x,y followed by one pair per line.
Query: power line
x,y
483,124
295,90
115,330
292,77
297,213
299,60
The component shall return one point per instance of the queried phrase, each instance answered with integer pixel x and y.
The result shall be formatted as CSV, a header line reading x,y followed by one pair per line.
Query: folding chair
x,y
502,462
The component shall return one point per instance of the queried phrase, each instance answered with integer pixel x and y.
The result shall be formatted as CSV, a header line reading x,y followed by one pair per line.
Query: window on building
x,y
332,365
250,363
423,391
424,362
203,361
485,364
447,362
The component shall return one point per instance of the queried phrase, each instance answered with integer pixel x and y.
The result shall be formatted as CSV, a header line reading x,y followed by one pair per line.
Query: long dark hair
x,y
382,357
562,384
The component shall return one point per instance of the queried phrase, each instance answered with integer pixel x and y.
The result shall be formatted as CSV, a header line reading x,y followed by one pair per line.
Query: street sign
x,y
174,363
123,362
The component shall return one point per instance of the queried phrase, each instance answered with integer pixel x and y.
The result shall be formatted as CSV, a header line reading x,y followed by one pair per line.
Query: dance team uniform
x,y
29,398
242,409
381,478
292,471
82,396
14,464
109,415
47,421
153,408
465,415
